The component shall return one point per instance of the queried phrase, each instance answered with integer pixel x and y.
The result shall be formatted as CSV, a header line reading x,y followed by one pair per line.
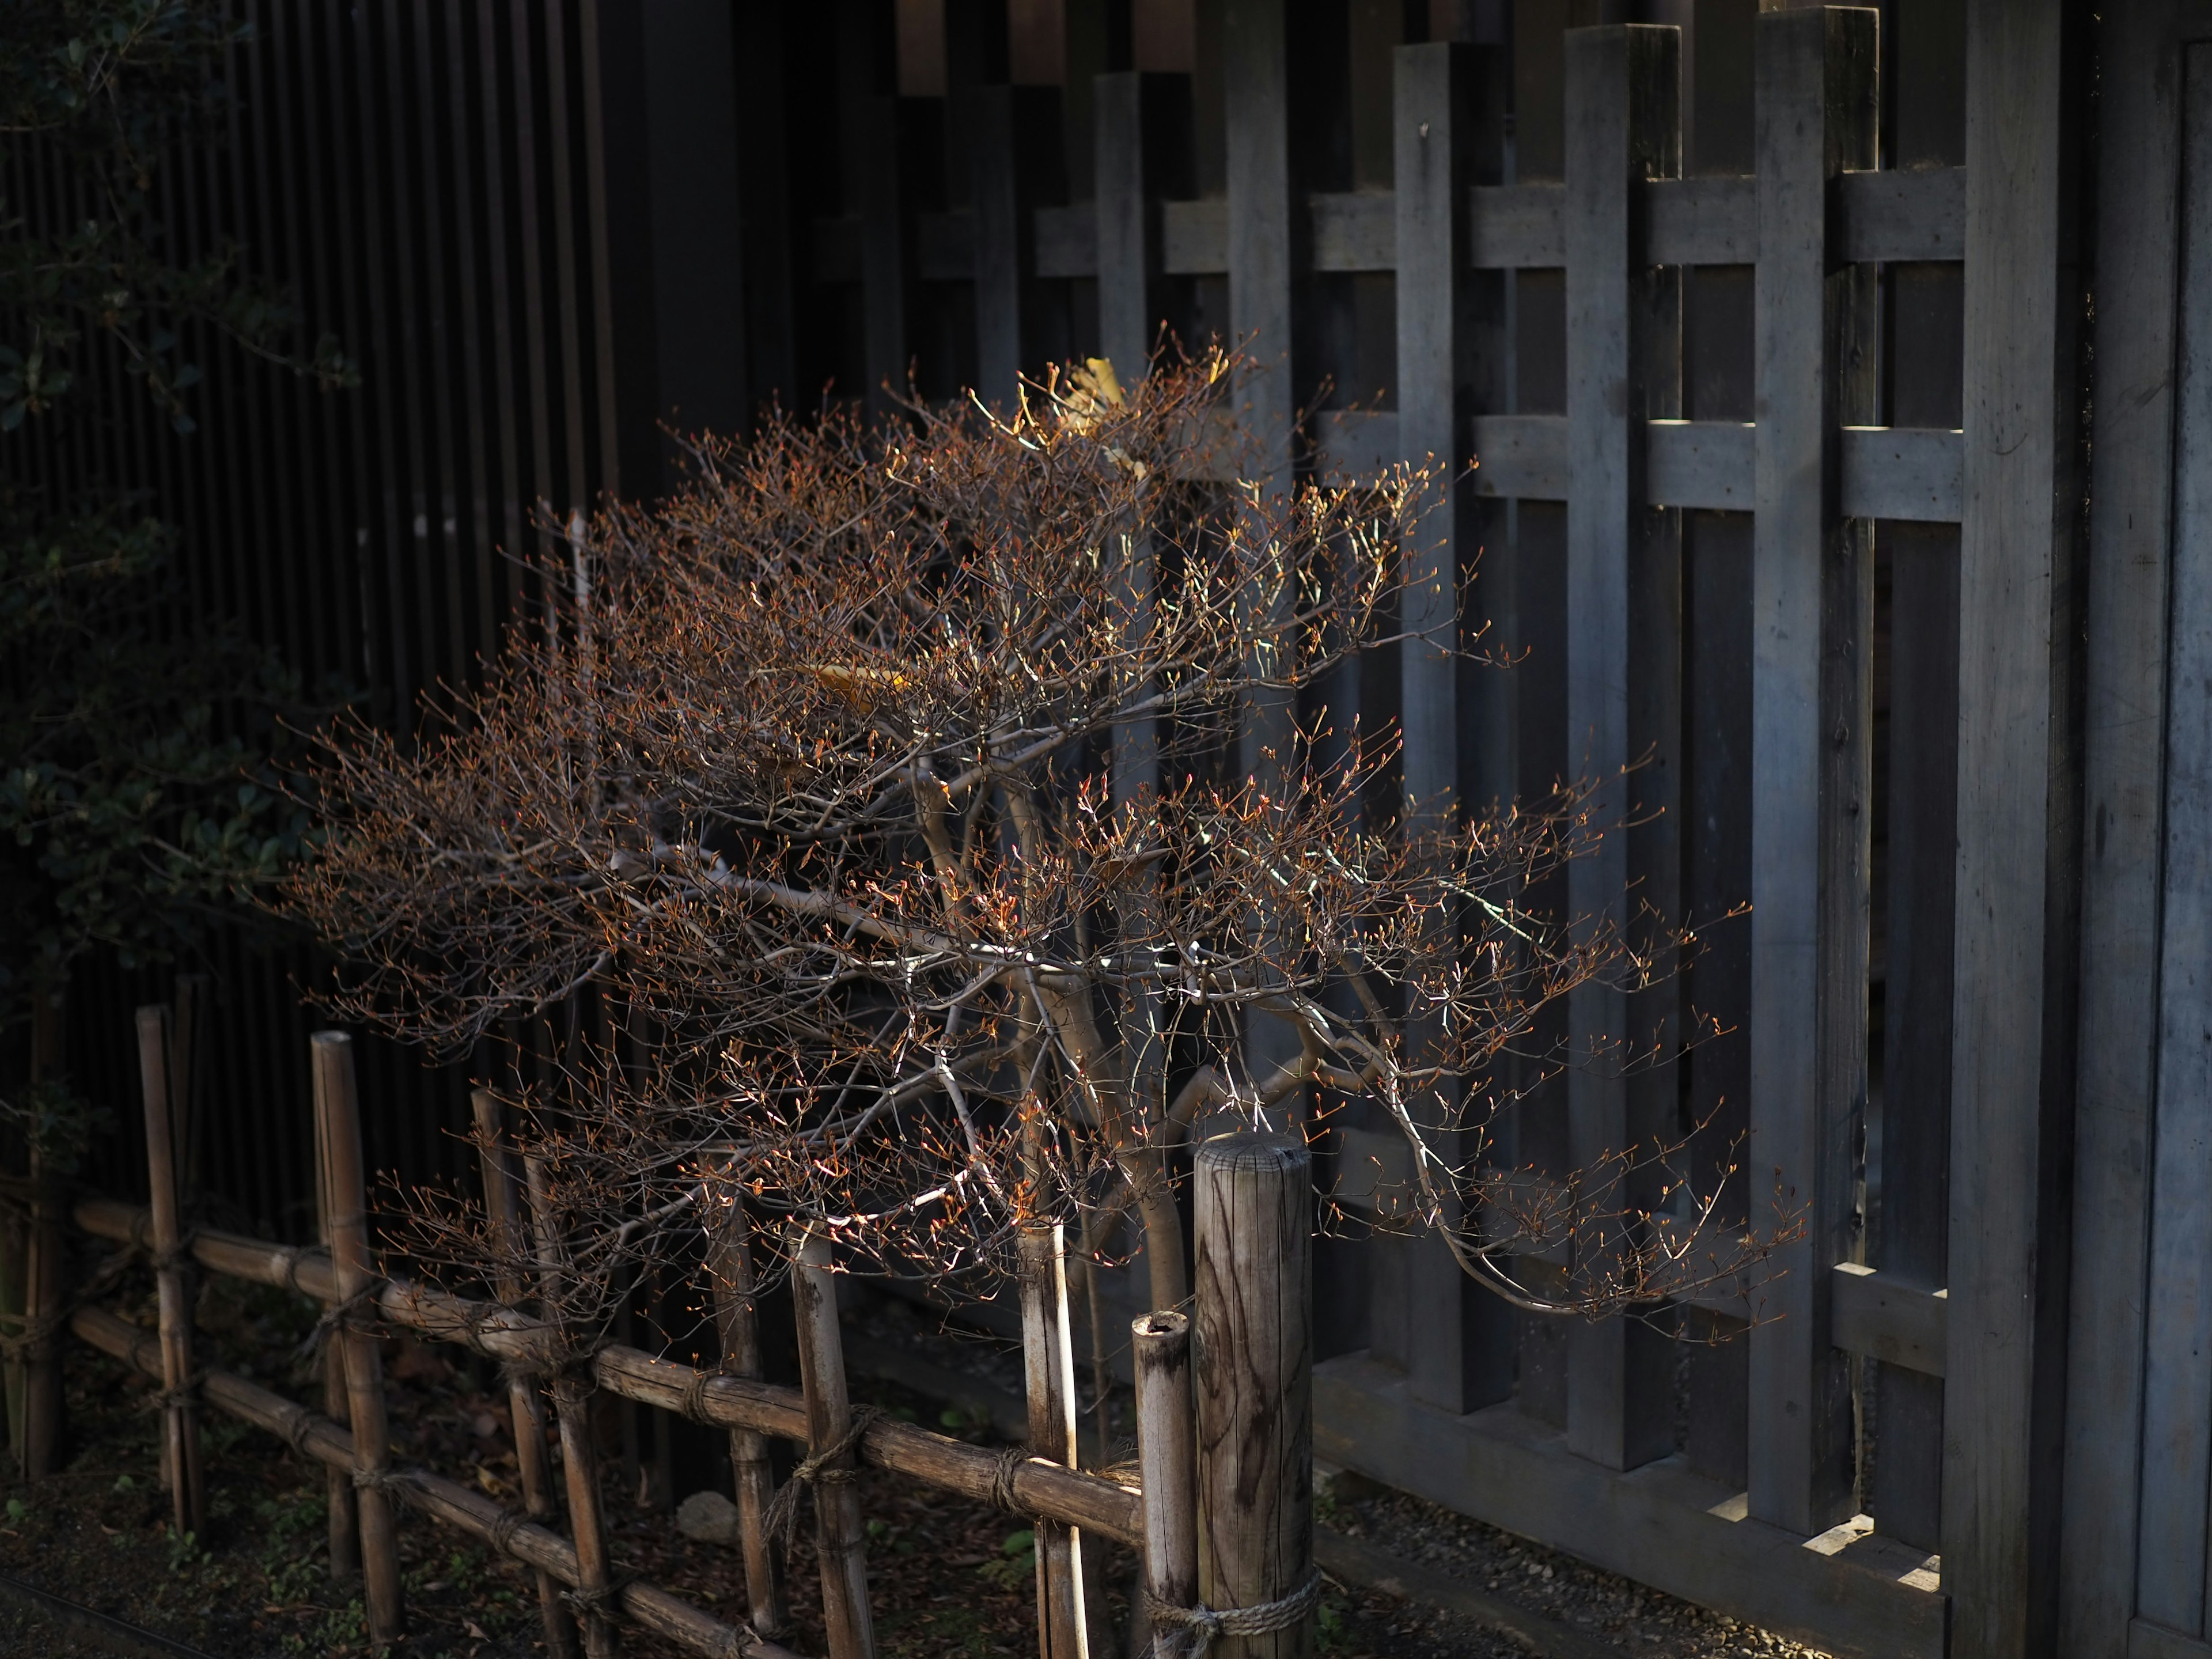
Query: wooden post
x,y
1013,137
44,1276
1811,588
1254,1371
1167,1459
579,1456
2020,825
1256,92
181,1418
729,1264
1622,126
1458,1341
343,1524
338,1108
525,1406
839,1542
2152,249
1048,1367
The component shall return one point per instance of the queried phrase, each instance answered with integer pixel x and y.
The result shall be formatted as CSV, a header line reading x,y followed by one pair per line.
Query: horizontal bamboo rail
x,y
471,1512
1091,1502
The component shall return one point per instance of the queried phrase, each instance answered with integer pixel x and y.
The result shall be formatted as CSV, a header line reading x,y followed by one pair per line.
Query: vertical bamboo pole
x,y
1254,1371
338,1105
730,1264
44,1286
525,1406
343,1524
1167,1459
1048,1364
579,1457
838,1539
180,1420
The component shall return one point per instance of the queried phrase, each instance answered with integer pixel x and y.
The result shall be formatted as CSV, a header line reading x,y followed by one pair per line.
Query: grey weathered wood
x,y
2013,973
945,245
1066,241
1622,123
1048,1371
338,1105
1898,1323
1517,227
1013,136
874,195
1903,214
1256,92
180,1417
1167,1459
1659,1525
1915,1134
1521,455
1905,473
1126,241
2146,1640
1194,237
1913,473
525,1406
1253,1358
2177,1422
1812,592
1699,463
580,1454
1459,1339
1702,221
1882,217
1354,230
2131,518
839,1541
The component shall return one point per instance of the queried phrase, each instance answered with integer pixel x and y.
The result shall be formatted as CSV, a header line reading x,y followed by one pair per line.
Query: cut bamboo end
x,y
1167,1457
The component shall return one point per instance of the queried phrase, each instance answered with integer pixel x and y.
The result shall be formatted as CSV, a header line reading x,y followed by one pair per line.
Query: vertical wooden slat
x,y
601,347
2177,1390
1811,576
1143,156
2131,516
1922,358
1012,149
1458,1340
839,1543
2012,1076
1621,124
45,1272
338,1105
1256,98
873,189
764,189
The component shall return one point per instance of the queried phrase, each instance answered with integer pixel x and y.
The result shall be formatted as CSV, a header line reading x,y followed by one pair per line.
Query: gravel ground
x,y
1595,1605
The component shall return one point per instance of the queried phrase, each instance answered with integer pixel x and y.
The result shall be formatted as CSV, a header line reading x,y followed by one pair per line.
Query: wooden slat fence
x,y
1769,334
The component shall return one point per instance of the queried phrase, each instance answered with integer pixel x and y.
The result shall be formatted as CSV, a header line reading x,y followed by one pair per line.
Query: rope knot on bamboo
x,y
596,1601
783,1514
1002,1478
1207,1624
